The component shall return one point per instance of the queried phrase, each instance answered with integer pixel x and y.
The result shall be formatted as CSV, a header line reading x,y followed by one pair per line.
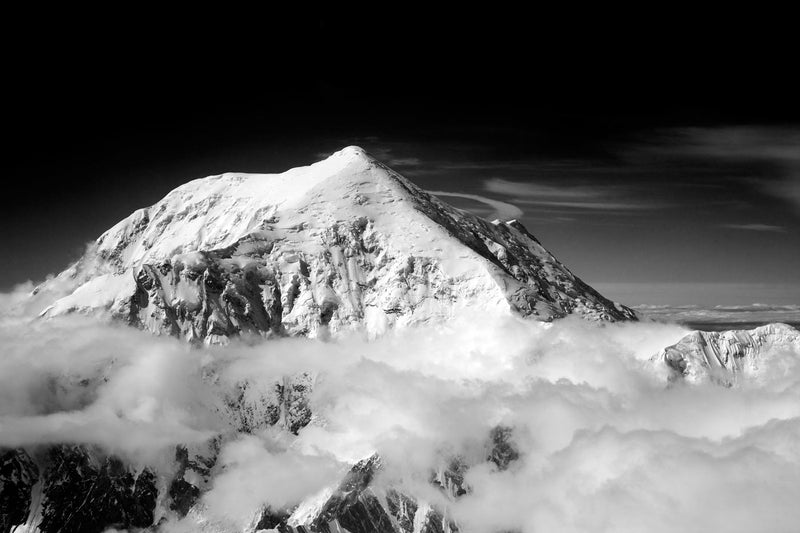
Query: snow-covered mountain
x,y
341,244
727,356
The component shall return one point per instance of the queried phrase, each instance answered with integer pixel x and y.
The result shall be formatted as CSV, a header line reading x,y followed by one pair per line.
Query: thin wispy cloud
x,y
405,162
594,206
529,190
776,148
579,197
501,210
743,142
755,227
500,166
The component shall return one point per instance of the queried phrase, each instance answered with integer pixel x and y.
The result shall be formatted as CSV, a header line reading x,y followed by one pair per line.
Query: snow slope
x,y
340,244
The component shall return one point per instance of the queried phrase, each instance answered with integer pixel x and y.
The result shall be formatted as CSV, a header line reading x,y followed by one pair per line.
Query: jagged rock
x,y
285,403
725,357
403,508
354,506
342,244
502,451
359,505
412,517
450,477
271,520
192,474
87,492
18,475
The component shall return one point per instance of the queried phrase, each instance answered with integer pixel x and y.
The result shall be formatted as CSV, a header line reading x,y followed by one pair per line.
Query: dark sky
x,y
647,163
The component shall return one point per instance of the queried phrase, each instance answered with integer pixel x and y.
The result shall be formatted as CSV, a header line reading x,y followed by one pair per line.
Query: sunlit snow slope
x,y
343,243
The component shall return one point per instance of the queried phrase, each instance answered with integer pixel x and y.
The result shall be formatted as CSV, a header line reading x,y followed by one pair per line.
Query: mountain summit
x,y
341,244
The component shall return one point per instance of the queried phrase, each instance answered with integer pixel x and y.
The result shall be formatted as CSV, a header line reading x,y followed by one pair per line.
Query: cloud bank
x,y
726,315
604,443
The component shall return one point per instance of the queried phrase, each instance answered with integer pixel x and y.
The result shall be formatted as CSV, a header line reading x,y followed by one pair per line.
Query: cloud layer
x,y
605,444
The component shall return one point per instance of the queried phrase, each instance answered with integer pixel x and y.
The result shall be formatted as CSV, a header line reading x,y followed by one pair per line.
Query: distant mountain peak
x,y
725,357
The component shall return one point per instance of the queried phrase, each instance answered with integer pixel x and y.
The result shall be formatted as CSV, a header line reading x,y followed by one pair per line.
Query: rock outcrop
x,y
18,476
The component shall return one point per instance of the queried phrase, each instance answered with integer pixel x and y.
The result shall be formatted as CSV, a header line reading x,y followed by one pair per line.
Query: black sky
x,y
673,147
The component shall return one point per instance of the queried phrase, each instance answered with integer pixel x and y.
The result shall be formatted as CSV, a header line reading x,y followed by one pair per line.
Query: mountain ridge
x,y
727,357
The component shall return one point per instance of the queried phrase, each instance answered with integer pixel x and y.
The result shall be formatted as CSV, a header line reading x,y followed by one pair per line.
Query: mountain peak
x,y
341,244
351,152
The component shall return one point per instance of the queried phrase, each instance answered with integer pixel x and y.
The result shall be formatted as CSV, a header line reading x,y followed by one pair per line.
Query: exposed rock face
x,y
343,243
727,356
354,506
18,475
192,475
286,404
502,451
361,505
85,489
85,493
73,489
364,504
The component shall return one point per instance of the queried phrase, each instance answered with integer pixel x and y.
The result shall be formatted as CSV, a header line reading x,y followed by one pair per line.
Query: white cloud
x,y
605,444
252,474
581,197
755,227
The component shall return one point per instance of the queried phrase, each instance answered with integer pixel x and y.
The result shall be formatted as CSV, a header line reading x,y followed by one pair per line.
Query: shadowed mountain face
x,y
343,244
